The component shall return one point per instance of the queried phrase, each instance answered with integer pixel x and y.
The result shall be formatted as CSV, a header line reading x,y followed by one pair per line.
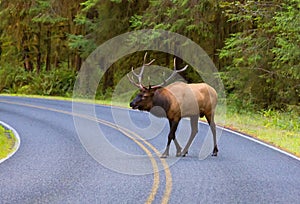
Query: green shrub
x,y
12,78
58,81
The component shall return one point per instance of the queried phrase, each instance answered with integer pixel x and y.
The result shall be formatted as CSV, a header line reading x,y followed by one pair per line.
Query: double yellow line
x,y
142,143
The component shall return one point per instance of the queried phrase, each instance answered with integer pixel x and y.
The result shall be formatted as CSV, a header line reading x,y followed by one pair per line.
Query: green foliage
x,y
264,55
81,44
136,21
35,33
43,12
258,61
191,18
283,120
279,128
254,44
12,78
7,141
58,82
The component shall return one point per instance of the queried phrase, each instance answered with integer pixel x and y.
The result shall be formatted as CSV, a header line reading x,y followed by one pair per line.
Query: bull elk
x,y
177,100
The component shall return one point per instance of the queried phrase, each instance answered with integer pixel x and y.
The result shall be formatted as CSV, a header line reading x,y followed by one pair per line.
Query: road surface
x,y
53,166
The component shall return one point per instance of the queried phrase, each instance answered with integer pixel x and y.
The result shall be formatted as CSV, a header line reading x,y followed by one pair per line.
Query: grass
x,y
7,142
276,128
279,129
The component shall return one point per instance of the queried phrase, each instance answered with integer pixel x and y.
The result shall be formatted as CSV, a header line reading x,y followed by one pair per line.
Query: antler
x,y
172,75
140,75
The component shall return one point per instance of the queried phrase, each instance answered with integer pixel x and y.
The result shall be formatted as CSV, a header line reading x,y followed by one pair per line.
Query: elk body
x,y
176,101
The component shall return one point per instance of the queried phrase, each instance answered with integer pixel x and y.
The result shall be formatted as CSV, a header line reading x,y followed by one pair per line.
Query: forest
x,y
255,45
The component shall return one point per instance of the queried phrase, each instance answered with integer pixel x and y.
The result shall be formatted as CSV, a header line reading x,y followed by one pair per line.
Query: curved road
x,y
52,166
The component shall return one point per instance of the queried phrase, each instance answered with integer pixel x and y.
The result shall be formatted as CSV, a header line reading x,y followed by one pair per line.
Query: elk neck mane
x,y
161,99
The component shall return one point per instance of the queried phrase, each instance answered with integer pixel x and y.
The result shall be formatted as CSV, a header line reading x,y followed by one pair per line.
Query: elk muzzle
x,y
133,105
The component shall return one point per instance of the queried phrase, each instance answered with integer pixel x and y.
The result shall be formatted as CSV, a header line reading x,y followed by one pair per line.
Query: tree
x,y
96,19
201,21
286,61
35,32
15,32
258,71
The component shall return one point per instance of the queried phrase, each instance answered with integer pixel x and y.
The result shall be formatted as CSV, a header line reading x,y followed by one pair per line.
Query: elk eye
x,y
145,96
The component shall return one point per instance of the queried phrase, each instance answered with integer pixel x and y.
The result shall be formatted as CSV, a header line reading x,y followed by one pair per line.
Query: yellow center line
x,y
168,175
127,133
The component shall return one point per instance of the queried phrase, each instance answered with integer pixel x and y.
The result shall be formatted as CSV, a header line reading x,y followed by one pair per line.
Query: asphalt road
x,y
53,166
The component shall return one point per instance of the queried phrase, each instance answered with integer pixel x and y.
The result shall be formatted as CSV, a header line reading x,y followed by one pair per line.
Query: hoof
x,y
178,154
215,152
164,156
184,154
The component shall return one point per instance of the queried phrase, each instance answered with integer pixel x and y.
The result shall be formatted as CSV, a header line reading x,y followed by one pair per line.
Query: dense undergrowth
x,y
57,82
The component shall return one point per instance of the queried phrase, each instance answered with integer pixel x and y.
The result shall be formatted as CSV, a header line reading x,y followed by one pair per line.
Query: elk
x,y
177,100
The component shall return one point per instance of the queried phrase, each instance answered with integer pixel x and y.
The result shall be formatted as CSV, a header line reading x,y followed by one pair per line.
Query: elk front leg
x,y
194,126
171,136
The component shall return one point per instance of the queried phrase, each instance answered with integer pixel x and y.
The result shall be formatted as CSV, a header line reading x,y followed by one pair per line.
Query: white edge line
x,y
17,143
257,141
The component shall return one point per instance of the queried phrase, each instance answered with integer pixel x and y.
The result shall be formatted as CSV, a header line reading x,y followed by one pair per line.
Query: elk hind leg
x,y
212,124
194,126
178,148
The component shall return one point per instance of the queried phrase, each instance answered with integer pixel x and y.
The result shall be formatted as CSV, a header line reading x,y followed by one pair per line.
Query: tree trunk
x,y
27,62
39,54
0,49
108,79
77,61
48,51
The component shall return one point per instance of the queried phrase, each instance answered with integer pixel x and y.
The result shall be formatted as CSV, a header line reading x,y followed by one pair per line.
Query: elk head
x,y
144,99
